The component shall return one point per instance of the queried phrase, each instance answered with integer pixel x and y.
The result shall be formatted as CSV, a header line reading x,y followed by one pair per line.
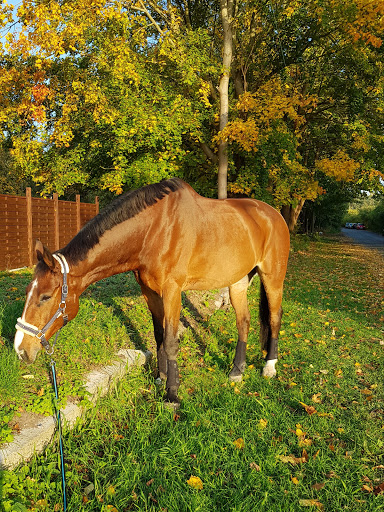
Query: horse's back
x,y
218,241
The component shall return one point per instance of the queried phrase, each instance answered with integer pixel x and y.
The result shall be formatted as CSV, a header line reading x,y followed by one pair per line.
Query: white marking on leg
x,y
269,369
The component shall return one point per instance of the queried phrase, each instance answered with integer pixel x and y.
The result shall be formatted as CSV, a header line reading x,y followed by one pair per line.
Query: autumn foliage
x,y
113,95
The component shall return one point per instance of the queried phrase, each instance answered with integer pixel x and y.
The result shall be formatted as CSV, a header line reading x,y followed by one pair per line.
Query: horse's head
x,y
44,302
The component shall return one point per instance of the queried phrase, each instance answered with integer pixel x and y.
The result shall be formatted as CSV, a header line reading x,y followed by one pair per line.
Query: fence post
x,y
56,221
96,205
28,194
78,218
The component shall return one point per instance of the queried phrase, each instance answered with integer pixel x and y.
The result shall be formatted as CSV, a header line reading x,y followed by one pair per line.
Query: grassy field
x,y
311,439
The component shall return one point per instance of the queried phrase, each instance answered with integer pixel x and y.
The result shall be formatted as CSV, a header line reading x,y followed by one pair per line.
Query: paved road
x,y
367,238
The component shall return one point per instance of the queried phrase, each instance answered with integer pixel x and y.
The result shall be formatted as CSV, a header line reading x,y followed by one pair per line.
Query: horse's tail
x,y
265,328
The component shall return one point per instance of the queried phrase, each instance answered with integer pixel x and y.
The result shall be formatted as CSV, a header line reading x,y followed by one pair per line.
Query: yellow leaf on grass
x,y
295,480
239,443
309,409
263,423
195,482
311,503
291,459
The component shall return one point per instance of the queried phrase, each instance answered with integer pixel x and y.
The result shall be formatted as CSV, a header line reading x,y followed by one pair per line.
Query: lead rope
x,y
58,418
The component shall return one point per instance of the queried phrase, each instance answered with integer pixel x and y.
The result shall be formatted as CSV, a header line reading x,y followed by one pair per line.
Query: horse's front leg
x,y
172,309
155,305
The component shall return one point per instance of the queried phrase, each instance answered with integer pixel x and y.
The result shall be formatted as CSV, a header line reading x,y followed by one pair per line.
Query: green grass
x,y
311,439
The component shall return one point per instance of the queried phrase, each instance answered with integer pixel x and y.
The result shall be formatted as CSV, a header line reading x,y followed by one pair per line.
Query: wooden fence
x,y
23,219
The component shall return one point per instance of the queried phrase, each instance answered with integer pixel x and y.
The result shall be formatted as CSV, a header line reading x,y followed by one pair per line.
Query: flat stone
x,y
37,436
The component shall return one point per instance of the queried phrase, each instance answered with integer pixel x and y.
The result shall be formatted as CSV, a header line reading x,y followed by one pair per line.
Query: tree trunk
x,y
226,7
291,214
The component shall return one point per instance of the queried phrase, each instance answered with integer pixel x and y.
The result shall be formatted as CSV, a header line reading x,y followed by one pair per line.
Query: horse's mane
x,y
122,208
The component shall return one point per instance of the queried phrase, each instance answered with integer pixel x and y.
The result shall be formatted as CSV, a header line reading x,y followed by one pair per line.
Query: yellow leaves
x,y
273,101
291,459
195,482
311,503
263,423
341,166
316,398
239,443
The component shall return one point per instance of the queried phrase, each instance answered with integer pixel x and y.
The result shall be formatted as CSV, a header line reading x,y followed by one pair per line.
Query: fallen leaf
x,y
378,489
263,423
195,482
291,459
295,480
150,482
153,498
316,398
254,466
309,409
367,488
299,431
318,487
311,503
305,442
42,503
331,474
239,443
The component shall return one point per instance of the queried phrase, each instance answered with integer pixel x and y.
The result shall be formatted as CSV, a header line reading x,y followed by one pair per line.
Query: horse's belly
x,y
221,269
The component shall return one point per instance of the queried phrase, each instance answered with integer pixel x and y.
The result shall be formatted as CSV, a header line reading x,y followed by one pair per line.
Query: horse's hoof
x,y
269,369
235,378
172,406
235,375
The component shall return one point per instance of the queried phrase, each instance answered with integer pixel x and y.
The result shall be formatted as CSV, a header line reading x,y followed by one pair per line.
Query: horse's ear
x,y
44,254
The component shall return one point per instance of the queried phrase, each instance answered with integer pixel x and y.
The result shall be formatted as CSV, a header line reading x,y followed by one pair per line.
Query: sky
x,y
4,31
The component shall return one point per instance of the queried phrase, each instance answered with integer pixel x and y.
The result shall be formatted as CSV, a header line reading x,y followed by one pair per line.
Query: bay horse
x,y
173,239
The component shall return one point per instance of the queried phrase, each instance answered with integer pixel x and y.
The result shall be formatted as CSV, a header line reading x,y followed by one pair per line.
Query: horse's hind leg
x,y
271,293
238,294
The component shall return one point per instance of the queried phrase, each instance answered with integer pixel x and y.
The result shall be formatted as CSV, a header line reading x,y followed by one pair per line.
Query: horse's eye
x,y
44,298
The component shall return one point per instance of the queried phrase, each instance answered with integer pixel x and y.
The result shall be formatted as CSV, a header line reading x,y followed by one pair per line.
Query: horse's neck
x,y
116,252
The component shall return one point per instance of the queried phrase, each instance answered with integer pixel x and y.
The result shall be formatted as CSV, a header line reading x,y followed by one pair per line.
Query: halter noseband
x,y
40,333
